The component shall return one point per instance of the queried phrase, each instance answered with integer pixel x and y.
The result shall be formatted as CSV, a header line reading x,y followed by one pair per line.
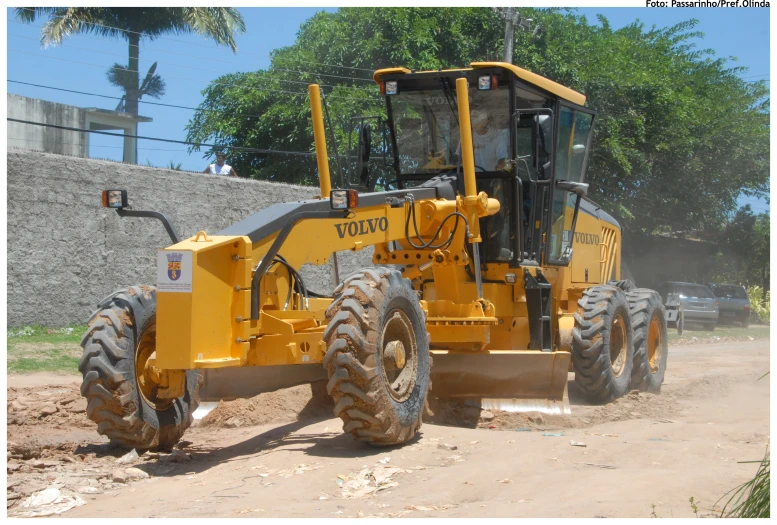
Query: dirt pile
x,y
58,406
634,405
281,406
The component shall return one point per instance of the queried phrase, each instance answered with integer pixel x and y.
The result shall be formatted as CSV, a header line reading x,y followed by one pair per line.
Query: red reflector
x,y
105,198
747,308
382,88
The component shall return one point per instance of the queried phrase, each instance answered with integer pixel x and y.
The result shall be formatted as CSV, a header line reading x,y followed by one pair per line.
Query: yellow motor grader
x,y
494,277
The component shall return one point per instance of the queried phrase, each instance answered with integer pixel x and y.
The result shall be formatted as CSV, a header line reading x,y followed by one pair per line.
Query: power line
x,y
172,141
139,101
195,68
201,68
194,80
97,145
202,45
119,98
322,75
123,56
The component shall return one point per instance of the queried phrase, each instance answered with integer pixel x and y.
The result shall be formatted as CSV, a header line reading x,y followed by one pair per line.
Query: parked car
x,y
699,304
733,302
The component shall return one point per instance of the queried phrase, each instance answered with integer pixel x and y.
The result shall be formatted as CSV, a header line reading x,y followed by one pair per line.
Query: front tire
x,y
378,356
120,399
650,340
602,349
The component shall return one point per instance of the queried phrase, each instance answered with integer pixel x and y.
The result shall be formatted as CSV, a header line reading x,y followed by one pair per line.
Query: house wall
x,y
41,138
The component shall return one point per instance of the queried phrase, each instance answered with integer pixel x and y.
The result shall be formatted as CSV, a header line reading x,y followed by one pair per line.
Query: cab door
x,y
574,125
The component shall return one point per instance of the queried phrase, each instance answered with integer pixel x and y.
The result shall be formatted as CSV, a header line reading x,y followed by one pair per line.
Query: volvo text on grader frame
x,y
495,276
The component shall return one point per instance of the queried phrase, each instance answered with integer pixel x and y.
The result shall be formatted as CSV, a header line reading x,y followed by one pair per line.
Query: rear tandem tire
x,y
710,327
626,285
110,385
650,340
375,315
602,349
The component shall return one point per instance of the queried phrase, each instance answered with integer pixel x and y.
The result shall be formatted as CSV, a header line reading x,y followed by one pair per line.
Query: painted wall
x,y
46,139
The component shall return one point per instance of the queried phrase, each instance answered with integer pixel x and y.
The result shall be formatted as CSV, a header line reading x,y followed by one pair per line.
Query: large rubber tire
x,y
648,323
372,308
110,385
710,327
602,344
626,285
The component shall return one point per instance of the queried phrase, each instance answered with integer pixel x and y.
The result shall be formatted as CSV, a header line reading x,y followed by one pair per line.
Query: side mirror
x,y
578,148
363,153
543,128
578,188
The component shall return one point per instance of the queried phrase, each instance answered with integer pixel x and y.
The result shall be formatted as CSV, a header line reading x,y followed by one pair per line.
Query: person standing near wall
x,y
219,167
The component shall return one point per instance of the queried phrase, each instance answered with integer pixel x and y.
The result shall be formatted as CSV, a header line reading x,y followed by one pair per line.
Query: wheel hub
x,y
146,372
655,345
395,351
618,351
398,355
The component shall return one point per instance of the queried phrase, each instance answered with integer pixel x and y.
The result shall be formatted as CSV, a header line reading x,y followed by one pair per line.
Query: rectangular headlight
x,y
392,88
484,83
343,199
116,199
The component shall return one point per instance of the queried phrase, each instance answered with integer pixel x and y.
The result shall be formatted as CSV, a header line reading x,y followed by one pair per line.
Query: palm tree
x,y
132,23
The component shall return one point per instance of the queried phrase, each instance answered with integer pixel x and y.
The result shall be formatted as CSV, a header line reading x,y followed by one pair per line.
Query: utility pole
x,y
511,18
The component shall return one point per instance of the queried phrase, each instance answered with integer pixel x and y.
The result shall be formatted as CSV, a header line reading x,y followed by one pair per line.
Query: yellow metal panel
x,y
537,80
586,250
533,78
388,71
300,348
174,330
201,325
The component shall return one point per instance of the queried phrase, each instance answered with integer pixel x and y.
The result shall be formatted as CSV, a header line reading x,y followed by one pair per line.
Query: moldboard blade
x,y
510,380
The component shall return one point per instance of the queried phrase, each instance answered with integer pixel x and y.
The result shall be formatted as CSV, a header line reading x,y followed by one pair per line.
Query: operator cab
x,y
529,135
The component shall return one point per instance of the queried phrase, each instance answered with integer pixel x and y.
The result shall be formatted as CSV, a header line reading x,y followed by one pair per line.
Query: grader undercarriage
x,y
476,291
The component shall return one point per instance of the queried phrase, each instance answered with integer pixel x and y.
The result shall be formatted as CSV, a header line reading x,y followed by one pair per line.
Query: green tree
x,y
745,247
132,24
679,135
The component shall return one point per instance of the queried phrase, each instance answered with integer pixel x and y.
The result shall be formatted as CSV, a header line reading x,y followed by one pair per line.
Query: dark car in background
x,y
734,304
699,304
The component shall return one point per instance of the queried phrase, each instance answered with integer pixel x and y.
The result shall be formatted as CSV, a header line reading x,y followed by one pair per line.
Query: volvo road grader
x,y
494,276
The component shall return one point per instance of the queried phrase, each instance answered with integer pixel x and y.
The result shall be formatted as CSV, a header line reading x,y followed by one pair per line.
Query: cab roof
x,y
527,76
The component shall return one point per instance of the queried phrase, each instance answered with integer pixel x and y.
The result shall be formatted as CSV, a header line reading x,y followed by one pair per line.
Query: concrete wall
x,y
41,138
66,252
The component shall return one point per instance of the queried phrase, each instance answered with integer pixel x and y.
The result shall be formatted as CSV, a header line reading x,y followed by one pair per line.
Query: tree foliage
x,y
678,136
744,249
132,23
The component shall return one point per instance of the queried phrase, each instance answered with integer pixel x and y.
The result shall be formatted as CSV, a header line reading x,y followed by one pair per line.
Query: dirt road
x,y
643,455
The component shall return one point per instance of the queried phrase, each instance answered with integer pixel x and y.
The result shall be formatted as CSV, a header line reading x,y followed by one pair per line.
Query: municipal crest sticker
x,y
174,265
174,271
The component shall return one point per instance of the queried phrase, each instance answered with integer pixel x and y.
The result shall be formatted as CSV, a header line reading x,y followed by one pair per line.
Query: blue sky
x,y
189,63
